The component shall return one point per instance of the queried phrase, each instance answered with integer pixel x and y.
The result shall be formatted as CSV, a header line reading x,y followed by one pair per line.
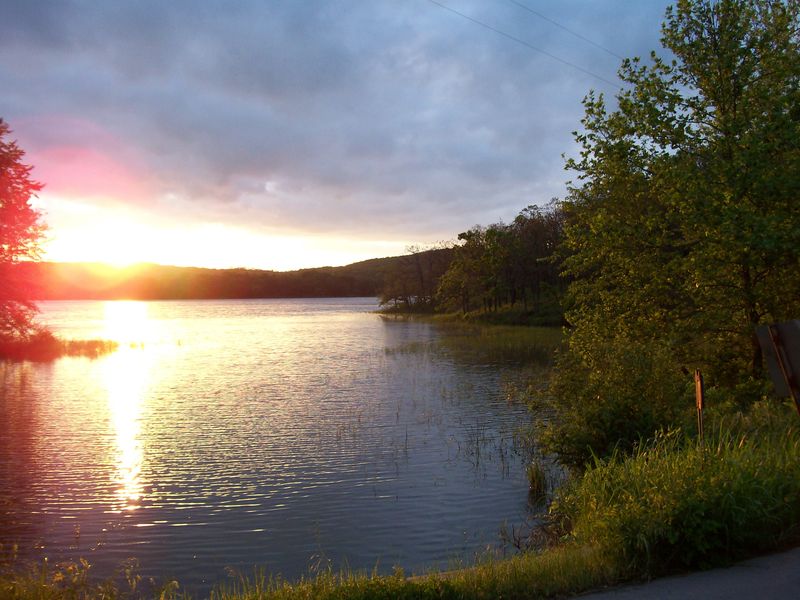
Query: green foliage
x,y
503,265
678,504
686,225
610,400
20,234
683,231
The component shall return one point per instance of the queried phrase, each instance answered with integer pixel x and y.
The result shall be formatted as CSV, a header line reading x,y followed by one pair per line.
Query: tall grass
x,y
489,344
566,569
71,580
43,346
677,504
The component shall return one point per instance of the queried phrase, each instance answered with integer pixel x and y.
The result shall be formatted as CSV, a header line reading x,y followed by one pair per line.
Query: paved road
x,y
772,577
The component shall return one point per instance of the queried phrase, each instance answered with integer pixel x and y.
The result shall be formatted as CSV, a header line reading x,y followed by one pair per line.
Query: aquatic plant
x,y
43,346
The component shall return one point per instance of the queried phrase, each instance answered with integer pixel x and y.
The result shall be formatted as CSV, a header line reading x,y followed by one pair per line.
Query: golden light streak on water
x,y
126,376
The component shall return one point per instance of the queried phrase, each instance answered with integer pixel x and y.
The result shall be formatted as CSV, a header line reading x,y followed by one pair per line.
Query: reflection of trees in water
x,y
20,471
450,385
473,345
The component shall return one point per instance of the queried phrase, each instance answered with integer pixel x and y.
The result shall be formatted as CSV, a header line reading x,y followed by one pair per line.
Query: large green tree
x,y
20,234
683,228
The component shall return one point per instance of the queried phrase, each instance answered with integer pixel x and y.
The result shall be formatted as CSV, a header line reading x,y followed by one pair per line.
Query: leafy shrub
x,y
611,400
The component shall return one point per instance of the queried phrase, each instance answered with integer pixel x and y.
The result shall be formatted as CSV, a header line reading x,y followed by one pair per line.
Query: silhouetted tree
x,y
20,235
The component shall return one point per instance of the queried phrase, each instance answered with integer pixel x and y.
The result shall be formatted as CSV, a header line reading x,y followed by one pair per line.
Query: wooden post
x,y
699,392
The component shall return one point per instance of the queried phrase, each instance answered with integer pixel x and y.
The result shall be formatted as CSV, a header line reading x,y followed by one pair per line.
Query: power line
x,y
567,29
524,43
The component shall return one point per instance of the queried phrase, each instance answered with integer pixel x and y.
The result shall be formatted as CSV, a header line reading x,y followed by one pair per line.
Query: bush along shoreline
x,y
43,346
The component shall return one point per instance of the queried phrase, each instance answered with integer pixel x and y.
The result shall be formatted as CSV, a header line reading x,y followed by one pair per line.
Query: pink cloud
x,y
82,160
77,171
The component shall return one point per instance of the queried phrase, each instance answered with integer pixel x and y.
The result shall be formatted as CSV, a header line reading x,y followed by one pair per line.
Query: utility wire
x,y
567,29
524,43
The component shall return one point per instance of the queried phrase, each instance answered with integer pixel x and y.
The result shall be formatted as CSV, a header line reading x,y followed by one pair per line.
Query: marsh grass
x,y
489,344
501,343
43,346
562,570
73,580
538,484
676,504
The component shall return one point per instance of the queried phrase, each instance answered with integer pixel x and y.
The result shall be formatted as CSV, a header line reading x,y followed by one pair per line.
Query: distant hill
x,y
94,281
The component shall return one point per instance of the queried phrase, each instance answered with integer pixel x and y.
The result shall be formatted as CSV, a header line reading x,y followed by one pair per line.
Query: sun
x,y
84,233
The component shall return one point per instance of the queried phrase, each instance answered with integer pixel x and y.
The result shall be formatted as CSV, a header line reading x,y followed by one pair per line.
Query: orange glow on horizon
x,y
119,237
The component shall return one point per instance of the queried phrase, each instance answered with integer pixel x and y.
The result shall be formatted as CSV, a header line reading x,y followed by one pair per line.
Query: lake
x,y
289,434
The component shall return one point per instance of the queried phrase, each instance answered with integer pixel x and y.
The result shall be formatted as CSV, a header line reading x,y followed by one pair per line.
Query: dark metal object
x,y
781,346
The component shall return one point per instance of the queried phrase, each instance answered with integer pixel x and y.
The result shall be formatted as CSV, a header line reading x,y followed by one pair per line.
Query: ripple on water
x,y
255,432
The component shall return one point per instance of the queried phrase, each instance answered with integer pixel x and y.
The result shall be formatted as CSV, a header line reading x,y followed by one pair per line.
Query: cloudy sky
x,y
285,134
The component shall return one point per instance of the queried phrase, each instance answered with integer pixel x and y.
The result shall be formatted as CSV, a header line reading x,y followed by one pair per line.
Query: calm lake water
x,y
282,433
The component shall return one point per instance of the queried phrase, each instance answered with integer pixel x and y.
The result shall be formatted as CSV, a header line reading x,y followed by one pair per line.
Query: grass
x,y
676,504
537,479
501,343
547,314
565,569
43,346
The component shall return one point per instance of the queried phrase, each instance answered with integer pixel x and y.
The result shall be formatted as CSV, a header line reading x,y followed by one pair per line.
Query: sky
x,y
284,134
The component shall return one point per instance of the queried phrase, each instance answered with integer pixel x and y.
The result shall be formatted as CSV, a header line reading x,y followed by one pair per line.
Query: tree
x,y
20,234
683,231
688,220
504,264
411,281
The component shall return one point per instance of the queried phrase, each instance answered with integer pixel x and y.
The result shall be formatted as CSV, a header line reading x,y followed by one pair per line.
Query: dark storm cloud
x,y
388,119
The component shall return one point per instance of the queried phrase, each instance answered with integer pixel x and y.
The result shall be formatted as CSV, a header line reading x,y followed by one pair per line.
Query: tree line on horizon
x,y
91,281
513,265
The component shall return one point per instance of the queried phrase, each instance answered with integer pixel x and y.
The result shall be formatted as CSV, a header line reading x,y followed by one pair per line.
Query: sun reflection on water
x,y
126,376
126,322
